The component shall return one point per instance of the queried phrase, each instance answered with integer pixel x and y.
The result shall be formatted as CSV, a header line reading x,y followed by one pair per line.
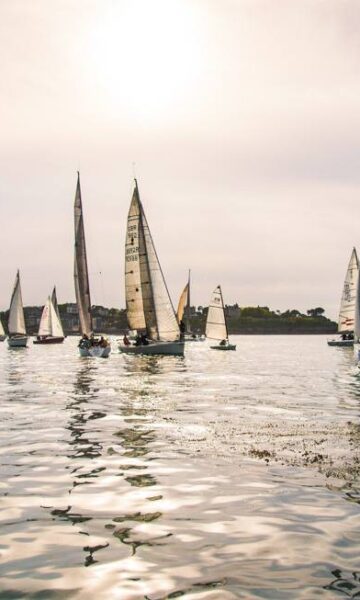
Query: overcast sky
x,y
242,118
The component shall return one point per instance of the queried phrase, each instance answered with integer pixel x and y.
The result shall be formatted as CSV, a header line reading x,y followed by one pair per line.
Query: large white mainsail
x,y
347,306
50,324
16,314
81,276
147,297
216,328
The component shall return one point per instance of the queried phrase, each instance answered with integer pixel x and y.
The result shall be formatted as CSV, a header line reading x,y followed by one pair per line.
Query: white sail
x,y
16,315
81,277
215,322
183,302
55,302
133,293
147,297
2,332
347,307
50,323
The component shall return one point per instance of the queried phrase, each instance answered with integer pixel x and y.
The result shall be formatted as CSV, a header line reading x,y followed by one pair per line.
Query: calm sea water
x,y
214,476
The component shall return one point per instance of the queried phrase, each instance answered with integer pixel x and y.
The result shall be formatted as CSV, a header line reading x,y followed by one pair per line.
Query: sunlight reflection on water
x,y
231,475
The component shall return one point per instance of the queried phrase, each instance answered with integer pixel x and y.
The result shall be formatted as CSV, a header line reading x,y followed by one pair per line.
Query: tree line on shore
x,y
246,320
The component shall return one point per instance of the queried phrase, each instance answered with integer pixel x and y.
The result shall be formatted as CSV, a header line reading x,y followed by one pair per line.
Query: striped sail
x,y
216,328
347,306
16,315
81,276
147,298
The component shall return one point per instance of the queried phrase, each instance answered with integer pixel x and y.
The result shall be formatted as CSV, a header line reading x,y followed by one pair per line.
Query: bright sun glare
x,y
147,56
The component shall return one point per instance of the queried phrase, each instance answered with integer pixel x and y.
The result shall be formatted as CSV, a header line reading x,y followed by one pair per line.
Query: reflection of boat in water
x,y
89,345
50,328
183,315
16,326
347,306
148,304
216,327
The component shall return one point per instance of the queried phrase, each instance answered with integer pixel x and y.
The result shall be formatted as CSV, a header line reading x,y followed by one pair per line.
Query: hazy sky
x,y
243,119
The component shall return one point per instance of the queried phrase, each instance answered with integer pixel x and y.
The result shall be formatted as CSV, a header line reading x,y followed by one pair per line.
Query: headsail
x,y
50,323
16,315
55,302
183,301
347,307
147,297
216,328
2,332
81,276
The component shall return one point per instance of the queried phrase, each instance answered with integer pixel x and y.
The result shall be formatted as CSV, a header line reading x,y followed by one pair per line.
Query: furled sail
x,y
50,323
147,297
16,314
347,307
81,276
216,328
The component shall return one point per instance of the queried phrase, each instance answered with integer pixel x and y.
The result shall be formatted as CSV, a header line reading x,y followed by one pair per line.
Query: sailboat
x,y
16,325
50,328
183,315
347,306
216,327
2,332
89,345
149,308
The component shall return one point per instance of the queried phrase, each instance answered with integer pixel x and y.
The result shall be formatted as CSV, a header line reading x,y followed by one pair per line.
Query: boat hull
x,y
341,343
95,351
18,342
155,348
227,347
50,340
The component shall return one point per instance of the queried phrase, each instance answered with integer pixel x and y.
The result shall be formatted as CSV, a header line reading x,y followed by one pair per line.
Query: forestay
x,y
16,313
347,307
81,277
50,323
215,323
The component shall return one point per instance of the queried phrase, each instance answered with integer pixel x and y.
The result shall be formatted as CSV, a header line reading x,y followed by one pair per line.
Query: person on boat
x,y
223,343
126,340
84,342
103,342
144,340
182,328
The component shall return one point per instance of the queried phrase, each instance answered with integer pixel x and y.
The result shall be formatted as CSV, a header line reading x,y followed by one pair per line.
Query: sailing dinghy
x,y
183,316
347,306
216,327
148,304
88,345
50,328
2,332
16,326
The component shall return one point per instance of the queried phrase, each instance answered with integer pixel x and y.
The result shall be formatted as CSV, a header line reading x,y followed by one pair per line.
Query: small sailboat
x,y
16,326
148,304
347,306
50,328
89,345
2,332
183,315
216,327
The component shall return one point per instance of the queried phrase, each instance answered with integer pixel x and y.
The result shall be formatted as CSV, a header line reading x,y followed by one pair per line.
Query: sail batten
x,y
16,314
148,301
348,298
81,276
216,327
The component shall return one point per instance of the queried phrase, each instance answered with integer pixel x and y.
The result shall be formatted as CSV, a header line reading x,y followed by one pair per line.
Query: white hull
x,y
95,351
18,342
155,348
2,338
227,347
